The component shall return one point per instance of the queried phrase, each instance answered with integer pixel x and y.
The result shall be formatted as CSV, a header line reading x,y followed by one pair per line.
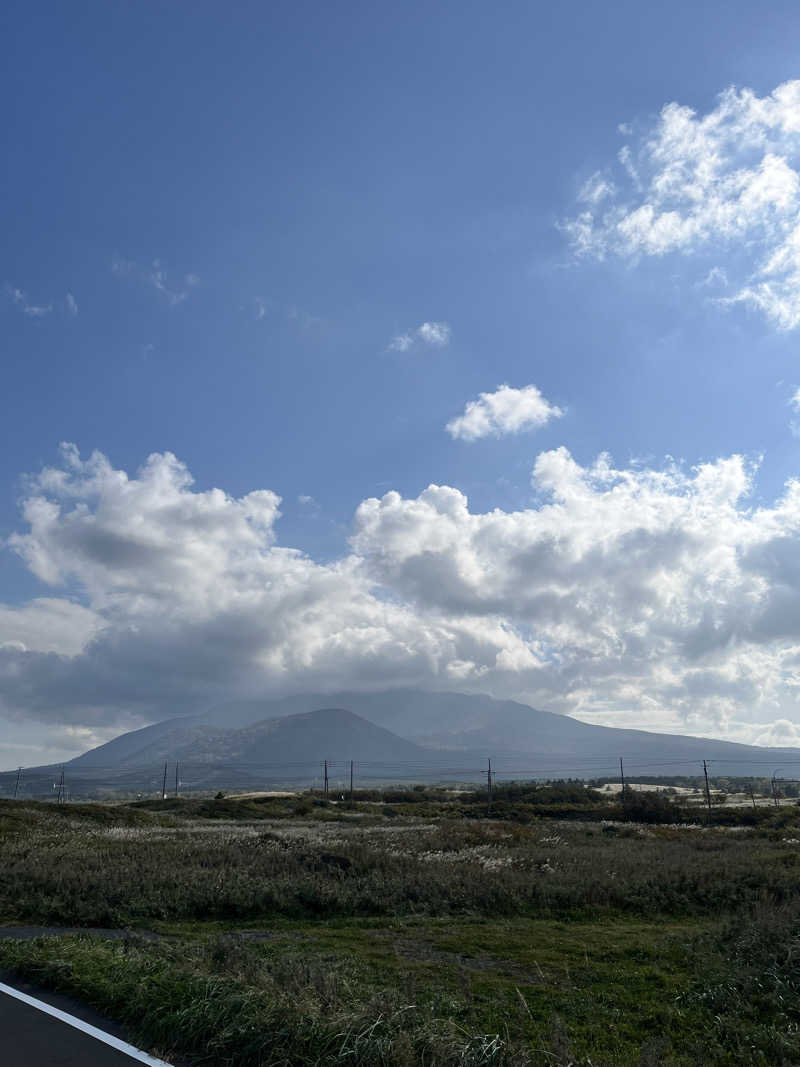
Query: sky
x,y
449,345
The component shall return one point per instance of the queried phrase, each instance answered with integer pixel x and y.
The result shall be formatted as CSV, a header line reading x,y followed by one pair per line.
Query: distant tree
x,y
649,807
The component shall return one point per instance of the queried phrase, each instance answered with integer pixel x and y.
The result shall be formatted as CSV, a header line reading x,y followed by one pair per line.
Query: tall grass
x,y
83,872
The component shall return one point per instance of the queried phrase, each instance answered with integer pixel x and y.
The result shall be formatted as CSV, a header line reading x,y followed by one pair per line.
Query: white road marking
x,y
86,1028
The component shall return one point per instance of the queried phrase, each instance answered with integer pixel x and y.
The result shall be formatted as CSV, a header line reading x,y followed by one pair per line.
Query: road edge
x,y
86,1028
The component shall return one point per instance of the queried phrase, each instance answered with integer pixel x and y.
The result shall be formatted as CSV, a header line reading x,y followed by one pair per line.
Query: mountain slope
x,y
127,747
327,733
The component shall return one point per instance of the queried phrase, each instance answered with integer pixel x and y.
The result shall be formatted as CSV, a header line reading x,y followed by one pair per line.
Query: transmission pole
x,y
325,787
708,791
16,784
164,785
489,789
621,779
61,797
351,779
176,777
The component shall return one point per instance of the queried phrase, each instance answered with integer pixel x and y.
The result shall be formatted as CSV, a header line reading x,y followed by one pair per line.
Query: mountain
x,y
287,751
411,713
411,725
463,725
310,737
397,734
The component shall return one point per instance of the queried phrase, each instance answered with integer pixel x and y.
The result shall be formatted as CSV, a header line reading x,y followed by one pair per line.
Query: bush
x,y
649,807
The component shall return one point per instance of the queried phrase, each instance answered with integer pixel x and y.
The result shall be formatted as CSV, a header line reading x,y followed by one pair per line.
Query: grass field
x,y
279,931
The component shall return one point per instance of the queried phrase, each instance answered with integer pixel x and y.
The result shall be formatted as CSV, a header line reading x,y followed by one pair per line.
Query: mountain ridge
x,y
435,726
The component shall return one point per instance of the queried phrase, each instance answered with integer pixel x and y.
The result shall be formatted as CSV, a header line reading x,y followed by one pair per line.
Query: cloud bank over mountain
x,y
653,594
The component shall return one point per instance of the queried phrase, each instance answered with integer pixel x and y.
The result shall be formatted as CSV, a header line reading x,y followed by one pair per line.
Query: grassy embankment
x,y
416,933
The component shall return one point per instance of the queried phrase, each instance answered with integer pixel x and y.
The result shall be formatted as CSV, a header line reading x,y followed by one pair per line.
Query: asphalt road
x,y
30,1037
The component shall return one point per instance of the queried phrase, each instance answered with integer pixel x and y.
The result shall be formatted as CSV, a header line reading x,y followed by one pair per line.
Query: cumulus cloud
x,y
47,624
191,598
433,334
657,590
654,594
505,411
154,274
725,184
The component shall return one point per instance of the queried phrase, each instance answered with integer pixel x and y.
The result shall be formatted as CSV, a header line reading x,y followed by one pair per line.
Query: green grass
x,y
516,992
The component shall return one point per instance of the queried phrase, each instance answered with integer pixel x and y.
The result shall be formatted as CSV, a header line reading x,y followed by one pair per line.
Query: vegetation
x,y
410,928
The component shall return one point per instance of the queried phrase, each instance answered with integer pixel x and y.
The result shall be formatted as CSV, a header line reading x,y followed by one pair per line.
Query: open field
x,y
283,930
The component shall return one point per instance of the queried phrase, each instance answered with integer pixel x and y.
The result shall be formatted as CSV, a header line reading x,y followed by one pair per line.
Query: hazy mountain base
x,y
370,936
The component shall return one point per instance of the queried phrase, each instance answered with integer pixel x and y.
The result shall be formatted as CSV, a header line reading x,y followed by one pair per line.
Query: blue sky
x,y
219,220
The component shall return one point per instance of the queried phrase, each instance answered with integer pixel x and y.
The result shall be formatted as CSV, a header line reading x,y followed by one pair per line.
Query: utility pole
x,y
325,787
621,779
16,784
176,777
61,797
351,779
164,785
774,791
489,789
708,791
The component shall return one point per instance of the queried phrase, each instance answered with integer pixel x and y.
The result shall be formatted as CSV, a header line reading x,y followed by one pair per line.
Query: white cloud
x,y
31,310
721,184
794,404
716,278
191,599
505,411
20,300
25,744
657,591
155,275
653,595
435,334
596,188
779,734
401,343
48,624
309,505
